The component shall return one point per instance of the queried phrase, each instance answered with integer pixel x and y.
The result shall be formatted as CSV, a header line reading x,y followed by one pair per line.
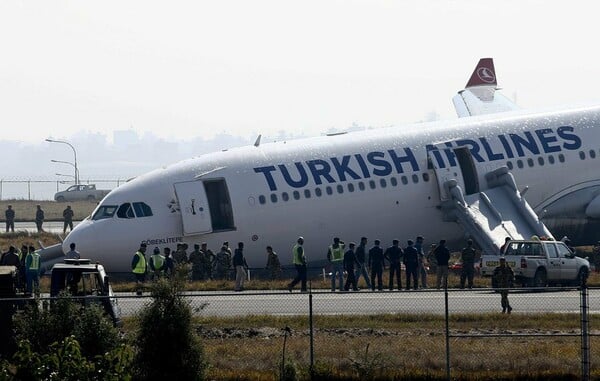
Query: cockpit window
x,y
142,209
125,211
105,211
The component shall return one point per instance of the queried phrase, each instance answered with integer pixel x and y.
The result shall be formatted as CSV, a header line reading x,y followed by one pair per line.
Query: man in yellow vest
x,y
138,268
335,256
157,263
299,260
33,264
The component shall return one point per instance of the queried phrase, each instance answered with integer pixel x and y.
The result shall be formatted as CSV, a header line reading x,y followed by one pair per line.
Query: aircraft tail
x,y
480,95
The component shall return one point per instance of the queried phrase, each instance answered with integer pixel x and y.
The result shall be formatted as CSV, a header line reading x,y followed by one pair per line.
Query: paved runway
x,y
366,302
50,227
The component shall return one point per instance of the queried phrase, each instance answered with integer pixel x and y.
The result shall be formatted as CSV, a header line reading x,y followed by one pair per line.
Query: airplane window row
x,y
340,189
126,210
530,162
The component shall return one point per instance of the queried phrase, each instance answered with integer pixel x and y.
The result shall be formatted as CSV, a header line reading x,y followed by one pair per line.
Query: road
x,y
224,304
50,227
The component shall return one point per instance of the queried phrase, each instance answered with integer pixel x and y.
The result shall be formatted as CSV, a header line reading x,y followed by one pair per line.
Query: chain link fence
x,y
420,333
36,189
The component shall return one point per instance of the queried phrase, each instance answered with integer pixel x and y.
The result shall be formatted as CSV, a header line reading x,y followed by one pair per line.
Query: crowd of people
x,y
40,217
28,263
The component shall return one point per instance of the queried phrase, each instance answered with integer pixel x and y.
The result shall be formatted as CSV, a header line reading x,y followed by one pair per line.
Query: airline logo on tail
x,y
484,74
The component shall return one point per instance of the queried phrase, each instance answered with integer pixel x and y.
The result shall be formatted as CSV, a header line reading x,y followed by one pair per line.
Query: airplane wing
x,y
480,96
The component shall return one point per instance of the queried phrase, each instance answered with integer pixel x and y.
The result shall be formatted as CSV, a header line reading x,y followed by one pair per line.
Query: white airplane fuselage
x,y
374,183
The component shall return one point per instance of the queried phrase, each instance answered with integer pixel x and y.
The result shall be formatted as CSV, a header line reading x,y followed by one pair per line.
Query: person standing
x,y
335,256
207,258
10,258
273,264
169,266
157,264
299,260
376,264
349,261
422,272
222,263
39,218
394,255
196,258
9,215
468,264
33,264
180,256
139,268
503,276
72,254
240,265
442,257
68,219
361,262
503,247
411,262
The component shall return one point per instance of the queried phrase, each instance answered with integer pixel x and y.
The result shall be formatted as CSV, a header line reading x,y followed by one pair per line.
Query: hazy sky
x,y
184,69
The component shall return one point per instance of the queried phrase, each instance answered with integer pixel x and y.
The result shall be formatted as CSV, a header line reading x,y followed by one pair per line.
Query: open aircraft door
x,y
444,171
193,204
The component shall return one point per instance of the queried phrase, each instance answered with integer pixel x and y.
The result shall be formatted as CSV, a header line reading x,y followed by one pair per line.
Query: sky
x,y
180,70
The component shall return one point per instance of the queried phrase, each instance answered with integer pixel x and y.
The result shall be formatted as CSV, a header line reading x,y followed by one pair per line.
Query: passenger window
x,y
520,163
540,160
142,209
404,180
273,197
383,183
285,196
340,189
551,159
592,154
361,186
415,178
582,155
426,177
318,192
307,193
371,184
296,195
103,212
530,162
262,199
328,190
509,164
394,181
561,157
350,187
125,211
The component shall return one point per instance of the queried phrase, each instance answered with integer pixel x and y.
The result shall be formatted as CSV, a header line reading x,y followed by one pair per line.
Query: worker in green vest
x,y
335,256
33,264
299,260
138,267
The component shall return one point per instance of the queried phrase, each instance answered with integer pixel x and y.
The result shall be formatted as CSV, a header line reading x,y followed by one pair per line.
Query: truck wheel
x,y
540,279
582,276
60,199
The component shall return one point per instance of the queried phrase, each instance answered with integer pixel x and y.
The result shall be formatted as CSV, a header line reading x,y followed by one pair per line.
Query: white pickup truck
x,y
81,192
540,263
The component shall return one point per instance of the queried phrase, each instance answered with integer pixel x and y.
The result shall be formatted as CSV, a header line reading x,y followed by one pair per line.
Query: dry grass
x,y
25,210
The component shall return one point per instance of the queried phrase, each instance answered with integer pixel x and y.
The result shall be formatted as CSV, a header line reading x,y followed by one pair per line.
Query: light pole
x,y
74,157
71,164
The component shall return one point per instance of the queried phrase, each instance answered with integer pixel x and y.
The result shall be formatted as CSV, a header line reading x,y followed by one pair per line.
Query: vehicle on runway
x,y
540,263
444,179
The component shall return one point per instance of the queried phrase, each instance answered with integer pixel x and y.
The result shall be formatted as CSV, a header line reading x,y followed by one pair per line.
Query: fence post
x,y
310,324
29,190
585,334
447,329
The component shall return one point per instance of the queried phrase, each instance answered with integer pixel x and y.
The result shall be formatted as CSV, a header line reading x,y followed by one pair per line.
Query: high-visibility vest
x,y
35,261
297,256
158,261
337,254
140,267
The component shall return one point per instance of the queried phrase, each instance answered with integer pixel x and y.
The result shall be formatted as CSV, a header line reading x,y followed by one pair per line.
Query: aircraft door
x,y
193,204
445,170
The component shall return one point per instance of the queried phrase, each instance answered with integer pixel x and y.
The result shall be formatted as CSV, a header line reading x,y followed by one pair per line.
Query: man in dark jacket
x,y
442,256
39,218
361,262
411,262
394,254
240,265
349,260
9,215
376,264
468,264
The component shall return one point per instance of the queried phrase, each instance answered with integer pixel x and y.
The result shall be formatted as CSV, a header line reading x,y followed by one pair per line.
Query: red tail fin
x,y
484,74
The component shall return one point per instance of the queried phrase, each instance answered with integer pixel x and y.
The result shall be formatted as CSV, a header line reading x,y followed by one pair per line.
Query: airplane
x,y
396,182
